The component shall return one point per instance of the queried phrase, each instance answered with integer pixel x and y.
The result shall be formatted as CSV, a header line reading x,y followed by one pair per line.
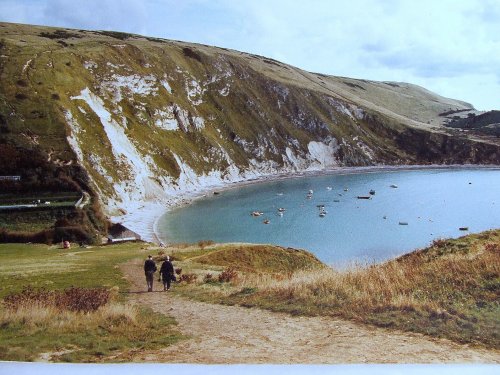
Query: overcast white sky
x,y
451,47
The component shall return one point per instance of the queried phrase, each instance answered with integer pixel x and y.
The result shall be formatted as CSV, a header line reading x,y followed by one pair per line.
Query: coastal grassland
x,y
34,331
449,290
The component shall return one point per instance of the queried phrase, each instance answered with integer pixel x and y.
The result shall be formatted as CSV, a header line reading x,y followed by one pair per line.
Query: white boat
x,y
257,213
328,188
280,214
281,209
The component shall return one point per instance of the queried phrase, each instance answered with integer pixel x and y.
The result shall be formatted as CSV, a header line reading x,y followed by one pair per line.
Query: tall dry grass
x,y
416,282
49,317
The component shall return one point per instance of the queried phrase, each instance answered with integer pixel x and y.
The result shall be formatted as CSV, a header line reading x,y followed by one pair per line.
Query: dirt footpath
x,y
229,334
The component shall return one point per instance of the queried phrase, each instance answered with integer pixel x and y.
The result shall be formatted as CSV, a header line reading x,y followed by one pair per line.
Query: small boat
x,y
279,194
393,186
267,221
216,193
280,214
310,192
364,197
328,188
403,223
309,196
322,214
346,189
257,213
336,200
463,228
372,192
281,209
385,217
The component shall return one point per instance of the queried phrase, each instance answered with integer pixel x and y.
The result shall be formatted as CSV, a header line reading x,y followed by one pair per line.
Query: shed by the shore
x,y
118,233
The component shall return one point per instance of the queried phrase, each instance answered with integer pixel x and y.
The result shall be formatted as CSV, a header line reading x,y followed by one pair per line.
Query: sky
x,y
451,47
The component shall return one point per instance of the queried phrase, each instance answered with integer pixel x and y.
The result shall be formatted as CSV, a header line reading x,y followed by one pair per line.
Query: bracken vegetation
x,y
72,299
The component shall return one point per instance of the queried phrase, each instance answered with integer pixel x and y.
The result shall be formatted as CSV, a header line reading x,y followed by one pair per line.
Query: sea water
x,y
408,211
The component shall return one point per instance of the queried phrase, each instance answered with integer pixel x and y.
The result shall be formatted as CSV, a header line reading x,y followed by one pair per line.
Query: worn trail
x,y
230,334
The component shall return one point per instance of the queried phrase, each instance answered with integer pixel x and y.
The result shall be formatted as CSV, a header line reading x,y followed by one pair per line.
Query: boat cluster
x,y
323,212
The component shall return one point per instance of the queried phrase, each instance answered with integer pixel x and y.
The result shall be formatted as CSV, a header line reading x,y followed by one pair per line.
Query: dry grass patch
x,y
451,289
77,325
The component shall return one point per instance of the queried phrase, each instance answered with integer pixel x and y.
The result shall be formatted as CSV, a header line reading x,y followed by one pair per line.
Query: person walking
x,y
167,273
149,270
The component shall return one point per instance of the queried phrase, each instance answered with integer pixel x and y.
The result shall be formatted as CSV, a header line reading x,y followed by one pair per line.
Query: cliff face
x,y
148,118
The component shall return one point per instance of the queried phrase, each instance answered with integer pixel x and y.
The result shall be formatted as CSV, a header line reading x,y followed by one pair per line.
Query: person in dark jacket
x,y
167,273
149,270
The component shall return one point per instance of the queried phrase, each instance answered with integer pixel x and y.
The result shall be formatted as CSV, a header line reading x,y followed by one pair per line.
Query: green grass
x,y
88,338
260,258
56,268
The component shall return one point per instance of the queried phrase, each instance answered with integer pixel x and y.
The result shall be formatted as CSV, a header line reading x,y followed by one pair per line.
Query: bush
x,y
228,275
59,34
209,278
72,299
188,278
44,236
188,52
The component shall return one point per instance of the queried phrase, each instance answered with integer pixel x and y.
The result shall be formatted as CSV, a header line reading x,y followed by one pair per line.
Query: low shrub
x,y
188,52
228,275
72,299
188,278
209,278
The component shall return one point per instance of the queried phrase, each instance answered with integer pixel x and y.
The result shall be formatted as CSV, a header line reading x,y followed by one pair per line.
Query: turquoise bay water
x,y
433,203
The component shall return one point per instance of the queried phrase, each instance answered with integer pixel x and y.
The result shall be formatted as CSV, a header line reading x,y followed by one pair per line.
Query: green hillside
x,y
134,119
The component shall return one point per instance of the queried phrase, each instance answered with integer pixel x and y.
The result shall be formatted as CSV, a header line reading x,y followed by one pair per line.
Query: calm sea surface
x,y
433,204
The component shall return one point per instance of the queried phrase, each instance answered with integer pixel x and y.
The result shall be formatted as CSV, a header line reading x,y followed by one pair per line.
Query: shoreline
x,y
151,215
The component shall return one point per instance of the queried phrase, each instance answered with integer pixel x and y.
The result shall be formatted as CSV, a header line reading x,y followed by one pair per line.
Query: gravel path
x,y
230,334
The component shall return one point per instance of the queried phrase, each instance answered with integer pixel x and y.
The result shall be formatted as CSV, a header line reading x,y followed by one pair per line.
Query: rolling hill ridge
x,y
134,119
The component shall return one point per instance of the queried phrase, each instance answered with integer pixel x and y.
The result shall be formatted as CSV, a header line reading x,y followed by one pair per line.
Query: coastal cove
x,y
427,204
